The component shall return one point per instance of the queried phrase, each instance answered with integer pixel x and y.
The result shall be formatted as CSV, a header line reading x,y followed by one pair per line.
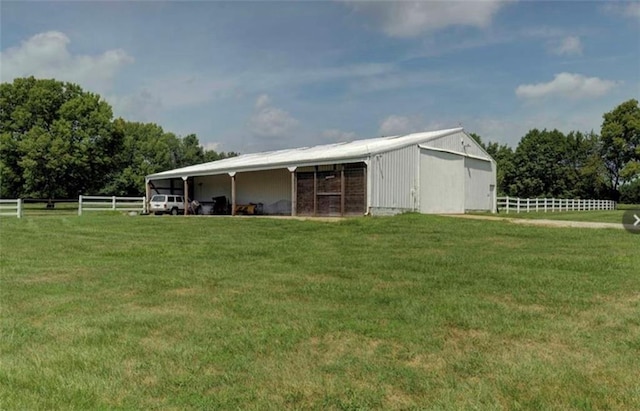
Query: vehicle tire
x,y
174,211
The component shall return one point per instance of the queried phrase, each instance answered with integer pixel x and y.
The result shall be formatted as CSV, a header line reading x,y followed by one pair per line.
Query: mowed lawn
x,y
600,216
409,312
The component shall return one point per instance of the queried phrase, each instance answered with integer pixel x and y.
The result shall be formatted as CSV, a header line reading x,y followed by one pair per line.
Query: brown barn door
x,y
337,192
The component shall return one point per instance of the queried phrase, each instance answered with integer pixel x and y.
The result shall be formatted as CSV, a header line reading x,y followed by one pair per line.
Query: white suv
x,y
166,204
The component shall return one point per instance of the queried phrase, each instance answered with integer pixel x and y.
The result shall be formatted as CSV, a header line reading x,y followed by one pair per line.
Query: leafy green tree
x,y
551,164
57,140
585,168
148,149
620,147
190,151
540,165
212,155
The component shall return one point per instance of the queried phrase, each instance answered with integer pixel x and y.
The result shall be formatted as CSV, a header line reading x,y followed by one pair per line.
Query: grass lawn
x,y
409,312
599,216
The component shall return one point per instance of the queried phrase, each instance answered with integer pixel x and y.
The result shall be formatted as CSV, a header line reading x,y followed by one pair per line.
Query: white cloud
x,y
396,124
338,136
211,146
567,85
626,9
271,122
46,55
412,18
568,46
262,101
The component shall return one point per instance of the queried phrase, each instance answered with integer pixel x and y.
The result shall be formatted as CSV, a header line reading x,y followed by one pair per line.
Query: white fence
x,y
12,208
528,205
103,203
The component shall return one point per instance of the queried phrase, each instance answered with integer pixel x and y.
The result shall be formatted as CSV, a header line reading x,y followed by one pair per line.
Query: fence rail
x,y
528,205
105,203
11,207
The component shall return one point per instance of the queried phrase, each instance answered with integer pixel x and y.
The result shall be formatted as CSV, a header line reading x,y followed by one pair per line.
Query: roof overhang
x,y
180,173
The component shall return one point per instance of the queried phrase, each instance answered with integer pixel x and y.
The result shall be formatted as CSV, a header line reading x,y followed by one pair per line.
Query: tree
x,y
57,140
585,168
148,149
540,166
620,147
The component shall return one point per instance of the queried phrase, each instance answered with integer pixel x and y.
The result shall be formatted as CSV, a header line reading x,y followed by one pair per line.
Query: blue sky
x,y
262,75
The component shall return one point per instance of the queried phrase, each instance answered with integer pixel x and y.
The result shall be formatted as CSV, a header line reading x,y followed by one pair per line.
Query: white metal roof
x,y
358,150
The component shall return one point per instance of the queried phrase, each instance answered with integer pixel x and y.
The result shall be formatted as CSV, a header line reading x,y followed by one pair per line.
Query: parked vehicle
x,y
166,204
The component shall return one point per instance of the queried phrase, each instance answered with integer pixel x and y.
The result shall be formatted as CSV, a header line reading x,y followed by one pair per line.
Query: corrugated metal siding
x,y
441,182
394,177
459,143
479,177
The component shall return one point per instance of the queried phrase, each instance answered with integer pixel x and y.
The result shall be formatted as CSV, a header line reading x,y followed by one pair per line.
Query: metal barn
x,y
443,171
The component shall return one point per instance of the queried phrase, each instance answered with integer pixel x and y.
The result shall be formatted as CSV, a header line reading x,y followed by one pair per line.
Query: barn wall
x,y
394,181
479,179
207,187
459,143
267,187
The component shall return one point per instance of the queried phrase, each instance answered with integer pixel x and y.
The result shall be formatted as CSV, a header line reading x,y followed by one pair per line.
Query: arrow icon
x,y
630,220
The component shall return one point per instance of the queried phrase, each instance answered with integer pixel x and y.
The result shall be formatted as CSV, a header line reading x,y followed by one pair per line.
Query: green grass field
x,y
600,216
409,312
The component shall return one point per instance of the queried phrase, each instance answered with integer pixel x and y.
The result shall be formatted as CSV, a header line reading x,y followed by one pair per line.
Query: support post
x,y
147,192
186,194
315,191
233,193
113,203
19,205
80,205
294,191
342,190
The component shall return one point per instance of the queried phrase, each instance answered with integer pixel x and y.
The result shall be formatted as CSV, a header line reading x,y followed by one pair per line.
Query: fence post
x,y
518,205
528,202
144,204
19,207
80,205
113,203
507,204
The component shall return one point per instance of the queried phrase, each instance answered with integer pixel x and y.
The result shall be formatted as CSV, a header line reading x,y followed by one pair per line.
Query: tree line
x,y
58,141
549,163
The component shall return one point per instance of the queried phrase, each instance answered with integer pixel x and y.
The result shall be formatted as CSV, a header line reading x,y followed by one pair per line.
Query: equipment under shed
x,y
443,171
